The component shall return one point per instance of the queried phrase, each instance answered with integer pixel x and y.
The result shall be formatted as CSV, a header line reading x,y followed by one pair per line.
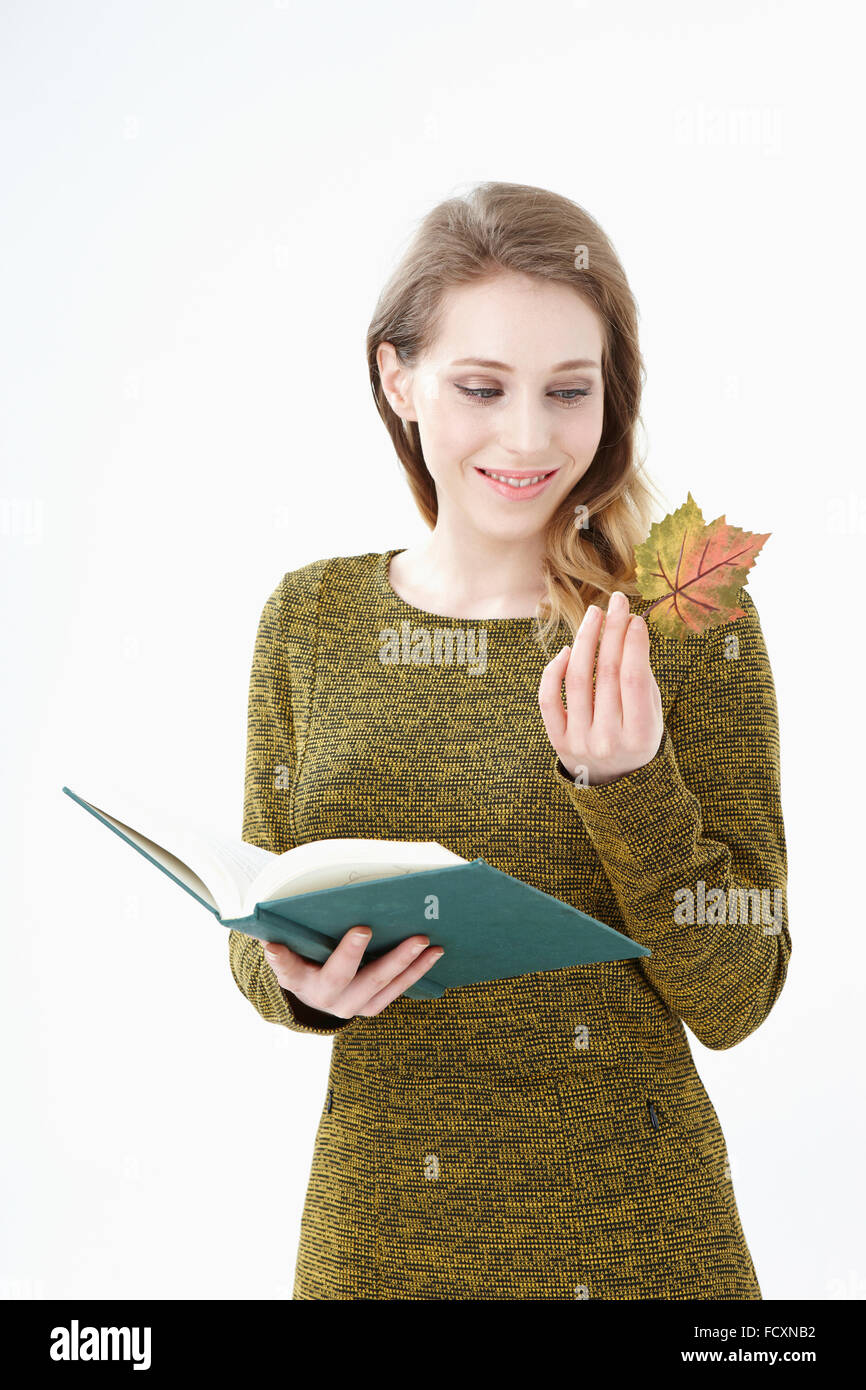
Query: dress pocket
x,y
661,1221
336,1251
474,1198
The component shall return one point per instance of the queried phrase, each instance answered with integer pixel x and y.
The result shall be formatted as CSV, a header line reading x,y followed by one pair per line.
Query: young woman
x,y
544,1137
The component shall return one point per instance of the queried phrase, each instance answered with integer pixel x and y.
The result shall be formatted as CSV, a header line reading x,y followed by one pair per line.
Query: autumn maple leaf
x,y
693,571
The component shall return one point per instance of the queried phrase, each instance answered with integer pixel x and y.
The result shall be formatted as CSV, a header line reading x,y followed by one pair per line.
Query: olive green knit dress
x,y
544,1137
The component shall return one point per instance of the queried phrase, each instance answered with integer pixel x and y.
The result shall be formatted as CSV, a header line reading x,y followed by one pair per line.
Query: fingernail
x,y
438,953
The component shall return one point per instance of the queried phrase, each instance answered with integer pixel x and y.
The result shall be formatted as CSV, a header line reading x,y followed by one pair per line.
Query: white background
x,y
201,202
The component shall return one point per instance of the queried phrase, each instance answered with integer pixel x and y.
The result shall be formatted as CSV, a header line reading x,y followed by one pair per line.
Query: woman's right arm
x,y
269,773
276,989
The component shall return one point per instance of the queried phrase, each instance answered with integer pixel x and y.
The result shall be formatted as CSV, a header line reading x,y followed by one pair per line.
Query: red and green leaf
x,y
693,571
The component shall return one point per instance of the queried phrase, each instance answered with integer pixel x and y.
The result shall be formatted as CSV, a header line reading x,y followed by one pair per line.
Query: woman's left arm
x,y
691,839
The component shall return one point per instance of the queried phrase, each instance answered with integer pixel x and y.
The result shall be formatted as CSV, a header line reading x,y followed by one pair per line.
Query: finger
x,y
379,973
292,971
578,677
402,982
607,715
637,683
341,967
550,698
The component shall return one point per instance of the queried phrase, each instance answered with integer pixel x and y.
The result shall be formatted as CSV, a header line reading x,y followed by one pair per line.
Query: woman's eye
x,y
571,391
479,393
569,396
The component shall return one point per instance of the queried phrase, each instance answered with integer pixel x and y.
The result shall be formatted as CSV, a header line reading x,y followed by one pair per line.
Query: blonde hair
x,y
514,227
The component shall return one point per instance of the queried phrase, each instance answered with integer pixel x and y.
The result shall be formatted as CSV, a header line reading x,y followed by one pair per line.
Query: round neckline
x,y
385,586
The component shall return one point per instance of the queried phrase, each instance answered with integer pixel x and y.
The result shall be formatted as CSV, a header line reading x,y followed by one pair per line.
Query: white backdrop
x,y
201,202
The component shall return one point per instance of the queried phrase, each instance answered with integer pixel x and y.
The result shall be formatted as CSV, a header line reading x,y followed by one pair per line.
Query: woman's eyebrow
x,y
504,367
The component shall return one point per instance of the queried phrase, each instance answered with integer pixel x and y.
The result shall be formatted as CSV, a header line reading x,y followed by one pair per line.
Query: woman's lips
x,y
516,494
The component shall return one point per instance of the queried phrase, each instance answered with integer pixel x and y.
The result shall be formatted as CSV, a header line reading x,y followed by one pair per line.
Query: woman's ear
x,y
396,380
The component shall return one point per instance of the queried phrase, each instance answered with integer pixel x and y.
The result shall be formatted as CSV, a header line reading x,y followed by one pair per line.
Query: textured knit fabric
x,y
546,1137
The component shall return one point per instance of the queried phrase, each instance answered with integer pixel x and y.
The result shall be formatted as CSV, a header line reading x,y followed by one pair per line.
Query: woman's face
x,y
537,410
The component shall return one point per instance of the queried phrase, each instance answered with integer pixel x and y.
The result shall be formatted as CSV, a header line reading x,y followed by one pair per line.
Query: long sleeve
x,y
270,769
693,843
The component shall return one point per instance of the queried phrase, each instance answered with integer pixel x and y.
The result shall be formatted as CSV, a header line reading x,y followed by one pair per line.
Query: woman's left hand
x,y
623,729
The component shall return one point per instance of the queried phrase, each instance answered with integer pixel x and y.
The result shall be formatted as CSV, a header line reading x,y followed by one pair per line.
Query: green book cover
x,y
492,926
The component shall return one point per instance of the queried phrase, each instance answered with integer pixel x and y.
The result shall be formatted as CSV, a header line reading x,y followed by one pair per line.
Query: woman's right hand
x,y
338,987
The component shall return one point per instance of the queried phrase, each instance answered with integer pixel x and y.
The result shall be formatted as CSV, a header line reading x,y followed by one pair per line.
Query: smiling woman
x,y
512,364
522,427
546,1136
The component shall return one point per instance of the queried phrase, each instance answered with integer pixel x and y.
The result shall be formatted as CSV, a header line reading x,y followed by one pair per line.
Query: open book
x,y
492,926
232,877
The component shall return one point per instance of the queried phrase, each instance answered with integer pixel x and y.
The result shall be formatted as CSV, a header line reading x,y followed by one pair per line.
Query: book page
x,y
234,876
222,866
164,857
336,863
242,862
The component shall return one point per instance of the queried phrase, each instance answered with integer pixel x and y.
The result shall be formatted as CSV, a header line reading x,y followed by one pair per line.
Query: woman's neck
x,y
449,574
